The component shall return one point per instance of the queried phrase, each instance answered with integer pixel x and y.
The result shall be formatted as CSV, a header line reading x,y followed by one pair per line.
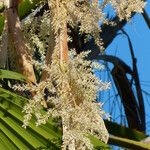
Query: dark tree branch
x,y
116,62
127,96
146,18
137,84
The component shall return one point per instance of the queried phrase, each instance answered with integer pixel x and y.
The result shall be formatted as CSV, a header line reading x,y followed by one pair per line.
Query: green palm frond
x,y
6,74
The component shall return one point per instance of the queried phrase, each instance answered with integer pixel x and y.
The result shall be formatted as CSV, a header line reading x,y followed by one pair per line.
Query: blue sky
x,y
140,37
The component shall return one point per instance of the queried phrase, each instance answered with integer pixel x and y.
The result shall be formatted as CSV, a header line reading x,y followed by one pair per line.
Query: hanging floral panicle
x,y
38,34
71,85
89,13
85,13
72,95
124,8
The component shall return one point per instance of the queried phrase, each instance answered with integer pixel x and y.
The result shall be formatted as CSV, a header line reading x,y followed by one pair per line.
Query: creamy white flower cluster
x,y
124,8
71,96
87,14
37,32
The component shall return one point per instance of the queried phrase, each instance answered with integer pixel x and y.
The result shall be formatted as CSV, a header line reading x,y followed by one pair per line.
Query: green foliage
x,y
11,117
98,145
1,23
6,74
24,9
123,142
124,132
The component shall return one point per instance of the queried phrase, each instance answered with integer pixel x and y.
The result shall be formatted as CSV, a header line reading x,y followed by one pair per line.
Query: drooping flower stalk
x,y
63,56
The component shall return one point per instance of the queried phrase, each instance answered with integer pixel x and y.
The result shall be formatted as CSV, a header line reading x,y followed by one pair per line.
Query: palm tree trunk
x,y
22,57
